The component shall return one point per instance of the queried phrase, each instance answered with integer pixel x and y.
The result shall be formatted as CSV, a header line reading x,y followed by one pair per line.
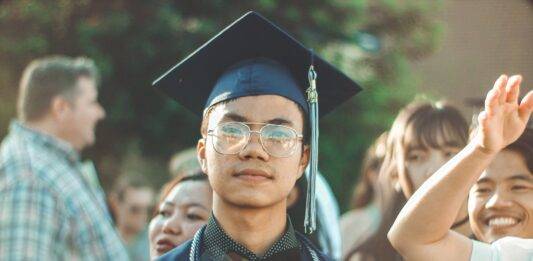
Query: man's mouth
x,y
501,221
253,175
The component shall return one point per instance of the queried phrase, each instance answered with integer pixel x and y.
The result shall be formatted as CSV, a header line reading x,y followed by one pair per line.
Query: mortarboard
x,y
252,56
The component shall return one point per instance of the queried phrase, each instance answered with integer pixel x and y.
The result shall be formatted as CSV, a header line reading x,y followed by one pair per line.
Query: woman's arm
x,y
422,229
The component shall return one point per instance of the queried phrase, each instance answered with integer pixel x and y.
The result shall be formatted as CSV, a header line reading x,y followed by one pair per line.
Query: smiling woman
x,y
501,201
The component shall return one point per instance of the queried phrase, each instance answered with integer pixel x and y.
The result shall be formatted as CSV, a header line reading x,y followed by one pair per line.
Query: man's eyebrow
x,y
234,117
239,118
521,177
281,121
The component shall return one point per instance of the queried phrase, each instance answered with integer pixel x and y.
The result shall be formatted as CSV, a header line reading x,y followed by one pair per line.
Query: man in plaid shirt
x,y
48,209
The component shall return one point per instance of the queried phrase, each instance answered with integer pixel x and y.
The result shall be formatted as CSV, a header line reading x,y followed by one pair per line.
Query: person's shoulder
x,y
507,248
20,158
355,217
514,243
181,252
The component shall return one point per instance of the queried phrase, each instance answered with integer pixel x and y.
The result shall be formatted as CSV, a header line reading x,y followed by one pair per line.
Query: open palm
x,y
504,118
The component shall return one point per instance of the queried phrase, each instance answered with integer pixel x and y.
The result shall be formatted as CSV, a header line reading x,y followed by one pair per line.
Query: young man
x,y
422,230
248,83
48,208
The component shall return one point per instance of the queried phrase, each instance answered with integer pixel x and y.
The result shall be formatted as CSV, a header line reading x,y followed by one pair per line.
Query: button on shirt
x,y
48,211
219,246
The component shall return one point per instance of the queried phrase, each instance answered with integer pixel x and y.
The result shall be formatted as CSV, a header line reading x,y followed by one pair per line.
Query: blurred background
x,y
397,50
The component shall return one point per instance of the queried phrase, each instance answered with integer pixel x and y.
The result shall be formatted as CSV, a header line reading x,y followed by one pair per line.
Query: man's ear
x,y
59,106
304,160
200,153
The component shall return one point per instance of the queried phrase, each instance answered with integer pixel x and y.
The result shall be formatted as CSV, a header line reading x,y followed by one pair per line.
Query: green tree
x,y
134,41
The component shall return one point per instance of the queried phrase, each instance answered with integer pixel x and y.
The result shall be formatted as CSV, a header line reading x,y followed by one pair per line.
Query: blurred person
x,y
364,219
184,163
248,83
49,211
423,137
184,206
495,168
327,235
133,199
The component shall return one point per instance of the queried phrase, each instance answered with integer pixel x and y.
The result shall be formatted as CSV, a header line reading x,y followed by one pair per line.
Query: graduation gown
x,y
192,250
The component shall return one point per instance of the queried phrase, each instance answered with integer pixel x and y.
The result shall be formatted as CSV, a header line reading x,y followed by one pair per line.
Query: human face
x,y
133,209
185,210
79,122
421,162
501,202
253,178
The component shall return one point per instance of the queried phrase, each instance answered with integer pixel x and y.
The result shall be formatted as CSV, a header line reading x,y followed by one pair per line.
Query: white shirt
x,y
505,249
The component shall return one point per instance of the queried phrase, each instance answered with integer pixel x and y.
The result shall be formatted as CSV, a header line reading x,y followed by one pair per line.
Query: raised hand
x,y
504,118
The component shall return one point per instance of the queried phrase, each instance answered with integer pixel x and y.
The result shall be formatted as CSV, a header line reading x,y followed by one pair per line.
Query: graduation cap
x,y
252,56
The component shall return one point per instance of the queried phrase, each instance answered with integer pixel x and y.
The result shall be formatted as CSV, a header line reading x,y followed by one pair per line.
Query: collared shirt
x,y
220,246
48,211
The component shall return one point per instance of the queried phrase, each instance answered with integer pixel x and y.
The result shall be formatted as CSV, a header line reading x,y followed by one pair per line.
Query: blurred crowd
x,y
53,207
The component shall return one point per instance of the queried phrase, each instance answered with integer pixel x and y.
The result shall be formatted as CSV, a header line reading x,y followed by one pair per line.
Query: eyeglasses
x,y
232,137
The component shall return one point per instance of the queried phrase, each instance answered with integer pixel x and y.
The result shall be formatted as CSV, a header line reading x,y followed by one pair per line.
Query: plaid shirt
x,y
48,211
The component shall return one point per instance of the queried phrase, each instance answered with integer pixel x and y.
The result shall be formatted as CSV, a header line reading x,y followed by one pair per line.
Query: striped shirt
x,y
48,211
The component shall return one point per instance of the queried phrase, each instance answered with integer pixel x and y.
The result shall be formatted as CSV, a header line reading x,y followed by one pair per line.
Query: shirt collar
x,y
218,244
59,146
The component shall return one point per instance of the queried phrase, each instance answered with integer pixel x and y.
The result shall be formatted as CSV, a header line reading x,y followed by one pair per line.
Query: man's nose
x,y
498,200
254,149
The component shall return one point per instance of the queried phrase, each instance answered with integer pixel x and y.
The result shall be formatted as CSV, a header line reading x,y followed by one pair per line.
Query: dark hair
x,y
46,78
524,146
205,120
167,188
364,191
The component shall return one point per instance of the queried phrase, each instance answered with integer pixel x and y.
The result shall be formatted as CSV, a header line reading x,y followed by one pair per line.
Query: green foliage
x,y
134,41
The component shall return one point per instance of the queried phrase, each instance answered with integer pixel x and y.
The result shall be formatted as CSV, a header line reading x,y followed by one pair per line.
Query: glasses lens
x,y
230,138
278,140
